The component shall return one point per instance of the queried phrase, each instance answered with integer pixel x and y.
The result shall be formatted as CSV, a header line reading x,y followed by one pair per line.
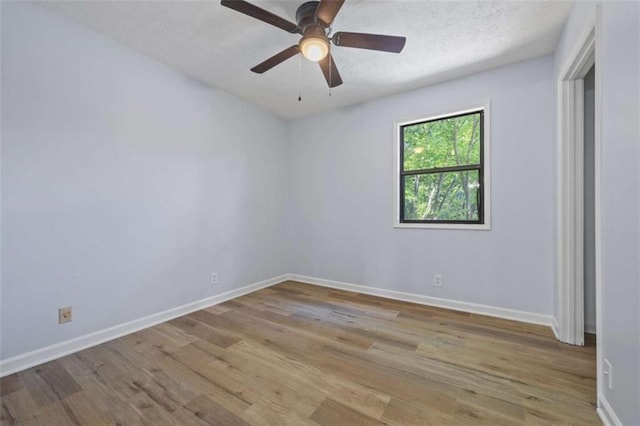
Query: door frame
x,y
570,174
570,193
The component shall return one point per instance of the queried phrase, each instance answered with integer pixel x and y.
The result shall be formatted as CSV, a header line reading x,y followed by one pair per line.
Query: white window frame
x,y
486,169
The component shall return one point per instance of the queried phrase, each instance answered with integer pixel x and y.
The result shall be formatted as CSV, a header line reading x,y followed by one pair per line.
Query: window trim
x,y
439,170
484,176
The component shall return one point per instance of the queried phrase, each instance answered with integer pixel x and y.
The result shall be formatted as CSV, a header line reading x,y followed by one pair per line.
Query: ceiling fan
x,y
314,20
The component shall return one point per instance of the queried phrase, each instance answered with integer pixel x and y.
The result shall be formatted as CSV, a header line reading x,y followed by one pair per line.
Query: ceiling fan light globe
x,y
314,48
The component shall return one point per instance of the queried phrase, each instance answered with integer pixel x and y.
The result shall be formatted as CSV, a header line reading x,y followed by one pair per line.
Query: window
x,y
441,179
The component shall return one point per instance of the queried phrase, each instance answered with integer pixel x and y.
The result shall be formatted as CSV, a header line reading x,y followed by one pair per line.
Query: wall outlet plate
x,y
64,315
214,278
437,280
608,371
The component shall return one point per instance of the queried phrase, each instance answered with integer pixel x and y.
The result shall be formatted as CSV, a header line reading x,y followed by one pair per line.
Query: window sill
x,y
460,226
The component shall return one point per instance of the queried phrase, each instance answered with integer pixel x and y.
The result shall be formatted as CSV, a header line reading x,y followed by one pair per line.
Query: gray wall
x,y
589,203
618,68
620,76
124,184
342,176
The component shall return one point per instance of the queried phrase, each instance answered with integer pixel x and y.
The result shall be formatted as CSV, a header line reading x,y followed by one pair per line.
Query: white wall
x,y
342,177
124,184
618,69
620,74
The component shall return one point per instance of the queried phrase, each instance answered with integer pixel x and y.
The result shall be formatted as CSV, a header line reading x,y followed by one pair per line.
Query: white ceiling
x,y
445,39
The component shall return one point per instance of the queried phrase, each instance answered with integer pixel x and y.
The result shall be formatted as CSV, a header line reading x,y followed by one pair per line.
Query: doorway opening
x,y
578,160
571,192
589,201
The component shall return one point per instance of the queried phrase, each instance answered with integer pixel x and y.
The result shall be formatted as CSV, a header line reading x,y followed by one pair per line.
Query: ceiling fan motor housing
x,y
305,16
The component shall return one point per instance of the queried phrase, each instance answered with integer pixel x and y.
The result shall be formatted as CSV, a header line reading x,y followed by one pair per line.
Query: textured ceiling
x,y
445,39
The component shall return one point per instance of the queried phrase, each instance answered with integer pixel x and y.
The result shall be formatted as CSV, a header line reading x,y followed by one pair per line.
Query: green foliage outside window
x,y
441,174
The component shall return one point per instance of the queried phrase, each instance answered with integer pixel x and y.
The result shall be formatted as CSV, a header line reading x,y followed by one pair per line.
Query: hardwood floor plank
x,y
402,413
40,391
107,400
331,412
10,384
53,414
191,325
276,387
195,381
298,354
163,336
18,408
313,328
207,409
393,380
81,407
466,414
263,415
57,378
358,397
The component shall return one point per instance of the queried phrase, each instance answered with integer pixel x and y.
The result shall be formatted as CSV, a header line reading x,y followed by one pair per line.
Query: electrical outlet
x,y
608,371
64,315
437,280
214,278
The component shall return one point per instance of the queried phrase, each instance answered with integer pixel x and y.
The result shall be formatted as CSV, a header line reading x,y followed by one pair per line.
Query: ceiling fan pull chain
x,y
300,74
330,66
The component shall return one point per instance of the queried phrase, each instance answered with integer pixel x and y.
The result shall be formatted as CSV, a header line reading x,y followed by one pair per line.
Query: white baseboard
x,y
555,327
49,353
493,311
606,413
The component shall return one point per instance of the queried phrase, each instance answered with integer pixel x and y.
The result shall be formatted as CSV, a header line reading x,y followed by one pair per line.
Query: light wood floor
x,y
299,354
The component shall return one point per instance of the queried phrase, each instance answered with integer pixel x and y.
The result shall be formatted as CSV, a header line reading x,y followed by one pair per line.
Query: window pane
x,y
451,196
442,143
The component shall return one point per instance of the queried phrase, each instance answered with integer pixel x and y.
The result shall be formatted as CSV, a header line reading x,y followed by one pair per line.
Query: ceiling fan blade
x,y
330,71
369,41
276,59
261,14
328,9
